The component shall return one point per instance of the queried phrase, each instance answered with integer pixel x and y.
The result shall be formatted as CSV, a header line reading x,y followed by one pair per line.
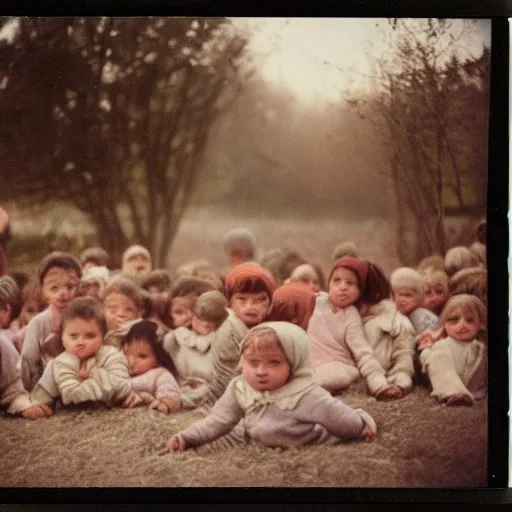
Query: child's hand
x,y
367,434
37,411
132,400
390,391
160,406
166,404
427,338
177,443
82,372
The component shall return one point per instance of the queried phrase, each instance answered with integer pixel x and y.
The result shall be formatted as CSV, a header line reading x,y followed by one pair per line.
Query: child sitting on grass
x,y
436,290
94,281
87,370
151,370
190,348
408,287
278,398
59,276
456,364
340,352
136,261
158,284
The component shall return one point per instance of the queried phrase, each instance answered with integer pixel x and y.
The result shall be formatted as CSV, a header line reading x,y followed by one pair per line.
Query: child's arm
x,y
429,337
366,362
402,366
73,389
337,417
113,367
31,365
167,393
225,414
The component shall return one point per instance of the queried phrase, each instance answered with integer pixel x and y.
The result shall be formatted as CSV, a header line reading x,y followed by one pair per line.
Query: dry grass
x,y
420,443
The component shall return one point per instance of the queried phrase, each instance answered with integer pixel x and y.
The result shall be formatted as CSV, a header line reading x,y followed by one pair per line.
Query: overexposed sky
x,y
317,57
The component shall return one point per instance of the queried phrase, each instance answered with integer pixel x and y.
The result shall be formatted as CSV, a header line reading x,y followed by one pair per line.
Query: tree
x,y
424,92
114,115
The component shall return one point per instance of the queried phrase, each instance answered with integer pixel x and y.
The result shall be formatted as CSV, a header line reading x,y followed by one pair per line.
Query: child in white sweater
x,y
278,398
87,370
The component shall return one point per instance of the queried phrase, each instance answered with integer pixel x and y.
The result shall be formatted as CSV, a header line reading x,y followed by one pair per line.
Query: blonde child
x,y
458,258
94,281
306,274
408,287
59,277
340,352
94,257
123,306
278,399
294,303
136,261
436,290
239,246
433,262
151,369
456,364
87,370
190,348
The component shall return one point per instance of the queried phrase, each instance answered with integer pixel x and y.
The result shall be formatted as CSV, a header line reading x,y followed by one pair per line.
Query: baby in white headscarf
x,y
278,398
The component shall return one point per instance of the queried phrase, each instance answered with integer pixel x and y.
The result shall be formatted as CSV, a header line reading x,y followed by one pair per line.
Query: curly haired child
x,y
59,277
151,369
278,399
456,364
87,370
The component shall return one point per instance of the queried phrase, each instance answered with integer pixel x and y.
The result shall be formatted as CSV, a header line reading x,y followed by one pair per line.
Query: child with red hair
x,y
294,303
340,351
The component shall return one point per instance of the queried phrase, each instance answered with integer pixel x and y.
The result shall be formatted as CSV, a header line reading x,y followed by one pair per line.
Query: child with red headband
x,y
340,351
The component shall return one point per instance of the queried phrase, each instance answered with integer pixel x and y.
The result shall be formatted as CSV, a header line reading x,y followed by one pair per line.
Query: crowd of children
x,y
262,347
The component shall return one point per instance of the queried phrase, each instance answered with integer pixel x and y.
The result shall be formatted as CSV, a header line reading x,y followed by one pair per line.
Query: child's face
x,y
140,356
264,365
251,308
59,287
202,327
435,297
138,263
181,312
159,297
463,324
82,338
90,288
406,299
343,288
311,281
119,309
29,309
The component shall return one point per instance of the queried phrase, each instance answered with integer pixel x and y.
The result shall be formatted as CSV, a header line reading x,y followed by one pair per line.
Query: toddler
x,y
94,257
87,370
294,303
239,246
456,364
93,282
59,277
340,352
151,370
123,305
136,261
190,348
436,290
408,287
278,398
458,258
307,275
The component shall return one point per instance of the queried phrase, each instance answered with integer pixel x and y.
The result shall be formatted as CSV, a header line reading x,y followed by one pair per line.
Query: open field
x,y
419,443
